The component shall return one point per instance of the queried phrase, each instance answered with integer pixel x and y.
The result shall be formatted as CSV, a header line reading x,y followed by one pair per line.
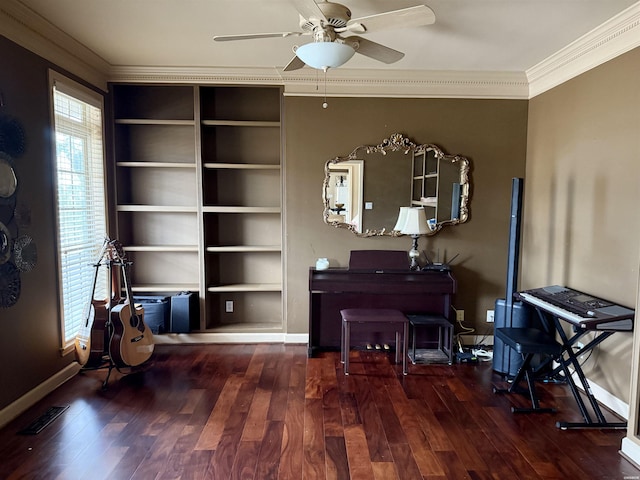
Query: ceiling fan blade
x,y
309,9
294,64
406,17
374,50
251,36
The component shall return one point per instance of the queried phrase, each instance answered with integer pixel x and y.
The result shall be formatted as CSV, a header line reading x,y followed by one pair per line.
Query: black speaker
x,y
185,312
508,314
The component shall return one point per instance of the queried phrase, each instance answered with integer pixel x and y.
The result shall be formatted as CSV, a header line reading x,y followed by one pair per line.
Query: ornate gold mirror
x,y
363,191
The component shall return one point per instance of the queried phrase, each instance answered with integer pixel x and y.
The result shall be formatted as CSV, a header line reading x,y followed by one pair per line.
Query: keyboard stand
x,y
568,359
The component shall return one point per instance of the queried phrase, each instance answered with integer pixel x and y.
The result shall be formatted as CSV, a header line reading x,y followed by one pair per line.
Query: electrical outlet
x,y
460,315
228,306
490,314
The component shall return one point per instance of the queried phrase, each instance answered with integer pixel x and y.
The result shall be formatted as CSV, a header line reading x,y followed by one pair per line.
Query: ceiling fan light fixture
x,y
325,55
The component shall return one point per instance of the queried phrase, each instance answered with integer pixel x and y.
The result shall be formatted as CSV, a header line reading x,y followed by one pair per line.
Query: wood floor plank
x,y
160,451
291,453
180,456
269,457
196,465
418,442
372,423
313,384
385,471
267,412
227,446
360,467
246,461
435,433
191,400
332,414
404,462
313,442
459,437
214,427
393,430
281,380
256,423
336,460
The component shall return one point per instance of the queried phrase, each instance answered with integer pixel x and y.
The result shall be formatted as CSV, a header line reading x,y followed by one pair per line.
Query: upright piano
x,y
374,279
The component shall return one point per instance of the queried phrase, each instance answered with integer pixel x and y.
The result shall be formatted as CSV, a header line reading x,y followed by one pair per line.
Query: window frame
x,y
67,86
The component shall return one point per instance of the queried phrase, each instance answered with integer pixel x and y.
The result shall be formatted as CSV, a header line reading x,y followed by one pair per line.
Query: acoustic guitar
x,y
84,345
99,331
131,342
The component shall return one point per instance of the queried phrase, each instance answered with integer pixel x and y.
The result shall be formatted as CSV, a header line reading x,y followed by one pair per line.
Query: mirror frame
x,y
398,143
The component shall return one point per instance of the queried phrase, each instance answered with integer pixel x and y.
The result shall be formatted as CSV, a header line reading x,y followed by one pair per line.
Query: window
x,y
80,199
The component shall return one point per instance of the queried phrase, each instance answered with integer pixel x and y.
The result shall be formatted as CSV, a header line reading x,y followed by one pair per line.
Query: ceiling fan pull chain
x,y
325,104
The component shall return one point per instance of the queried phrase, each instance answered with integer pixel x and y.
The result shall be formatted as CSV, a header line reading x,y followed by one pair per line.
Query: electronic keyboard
x,y
580,309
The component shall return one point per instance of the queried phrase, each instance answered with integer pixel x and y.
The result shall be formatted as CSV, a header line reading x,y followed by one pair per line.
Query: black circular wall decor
x,y
25,254
11,136
5,244
9,285
17,252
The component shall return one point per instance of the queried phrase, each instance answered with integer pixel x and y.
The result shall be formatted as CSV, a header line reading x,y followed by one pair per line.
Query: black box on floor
x,y
466,357
156,312
185,312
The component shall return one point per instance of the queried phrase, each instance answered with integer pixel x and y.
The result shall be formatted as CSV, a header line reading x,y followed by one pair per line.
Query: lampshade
x,y
323,55
415,222
402,218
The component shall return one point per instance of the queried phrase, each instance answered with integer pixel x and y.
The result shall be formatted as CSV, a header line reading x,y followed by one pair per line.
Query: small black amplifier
x,y
185,312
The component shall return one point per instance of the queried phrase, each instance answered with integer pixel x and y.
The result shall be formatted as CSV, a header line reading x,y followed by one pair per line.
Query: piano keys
x,y
584,311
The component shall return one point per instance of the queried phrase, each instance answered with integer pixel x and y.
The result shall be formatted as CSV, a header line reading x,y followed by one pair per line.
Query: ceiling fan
x,y
334,33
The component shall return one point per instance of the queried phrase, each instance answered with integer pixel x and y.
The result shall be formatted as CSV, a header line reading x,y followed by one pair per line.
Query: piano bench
x,y
528,342
375,319
444,351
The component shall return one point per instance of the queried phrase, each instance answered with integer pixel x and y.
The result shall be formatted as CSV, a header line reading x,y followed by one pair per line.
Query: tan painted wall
x,y
582,192
30,329
491,133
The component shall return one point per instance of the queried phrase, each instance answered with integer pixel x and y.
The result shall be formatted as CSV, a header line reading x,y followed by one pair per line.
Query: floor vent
x,y
43,421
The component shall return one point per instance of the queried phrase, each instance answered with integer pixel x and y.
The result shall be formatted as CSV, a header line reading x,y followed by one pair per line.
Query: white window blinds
x,y
81,206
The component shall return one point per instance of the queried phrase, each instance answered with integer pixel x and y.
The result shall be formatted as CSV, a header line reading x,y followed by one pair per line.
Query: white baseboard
x,y
631,451
30,398
605,398
204,338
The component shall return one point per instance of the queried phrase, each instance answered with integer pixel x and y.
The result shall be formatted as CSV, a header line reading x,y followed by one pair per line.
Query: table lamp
x,y
412,221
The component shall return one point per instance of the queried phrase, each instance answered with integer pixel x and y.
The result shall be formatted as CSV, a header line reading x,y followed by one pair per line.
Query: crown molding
x,y
343,81
616,36
25,27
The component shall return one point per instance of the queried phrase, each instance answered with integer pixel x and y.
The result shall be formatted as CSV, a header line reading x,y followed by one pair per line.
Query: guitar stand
x,y
105,358
107,361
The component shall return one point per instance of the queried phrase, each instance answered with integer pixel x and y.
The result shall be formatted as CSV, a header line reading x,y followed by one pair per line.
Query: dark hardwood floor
x,y
268,412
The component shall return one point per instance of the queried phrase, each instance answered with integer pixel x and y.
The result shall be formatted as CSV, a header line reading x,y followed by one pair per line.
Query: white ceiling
x,y
469,35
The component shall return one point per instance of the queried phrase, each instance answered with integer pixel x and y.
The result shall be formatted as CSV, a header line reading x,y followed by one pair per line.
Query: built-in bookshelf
x,y
198,192
241,177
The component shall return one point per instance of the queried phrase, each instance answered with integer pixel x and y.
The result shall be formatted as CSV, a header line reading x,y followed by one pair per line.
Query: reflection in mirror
x,y
364,191
344,193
